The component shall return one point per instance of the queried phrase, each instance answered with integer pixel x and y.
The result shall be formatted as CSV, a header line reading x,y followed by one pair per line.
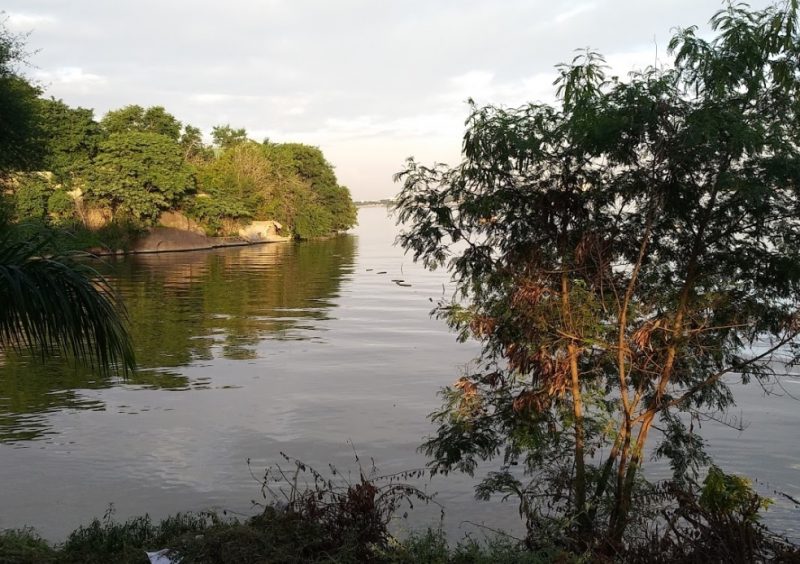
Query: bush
x,y
31,198
61,208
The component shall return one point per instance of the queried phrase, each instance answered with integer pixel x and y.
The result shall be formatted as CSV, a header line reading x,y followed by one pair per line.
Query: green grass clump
x,y
275,536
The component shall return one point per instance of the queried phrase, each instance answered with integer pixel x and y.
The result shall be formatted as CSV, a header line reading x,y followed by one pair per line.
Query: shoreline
x,y
171,240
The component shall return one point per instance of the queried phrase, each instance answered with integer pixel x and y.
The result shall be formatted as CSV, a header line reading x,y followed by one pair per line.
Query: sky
x,y
371,82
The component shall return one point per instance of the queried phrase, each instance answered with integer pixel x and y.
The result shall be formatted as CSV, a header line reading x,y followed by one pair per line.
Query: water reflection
x,y
187,308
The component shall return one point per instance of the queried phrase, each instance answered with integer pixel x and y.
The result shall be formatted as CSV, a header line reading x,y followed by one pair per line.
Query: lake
x,y
305,348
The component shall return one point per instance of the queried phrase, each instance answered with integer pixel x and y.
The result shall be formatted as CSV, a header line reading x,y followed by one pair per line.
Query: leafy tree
x,y
617,255
19,127
194,150
311,166
136,118
53,303
226,137
31,196
71,137
257,181
139,174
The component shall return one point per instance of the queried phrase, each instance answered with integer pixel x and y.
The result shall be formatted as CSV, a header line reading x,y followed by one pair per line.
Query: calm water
x,y
301,348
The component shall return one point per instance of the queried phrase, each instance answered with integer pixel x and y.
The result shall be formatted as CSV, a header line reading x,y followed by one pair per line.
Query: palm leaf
x,y
59,305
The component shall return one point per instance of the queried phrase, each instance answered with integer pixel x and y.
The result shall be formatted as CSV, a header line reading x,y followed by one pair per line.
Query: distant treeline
x,y
61,166
386,202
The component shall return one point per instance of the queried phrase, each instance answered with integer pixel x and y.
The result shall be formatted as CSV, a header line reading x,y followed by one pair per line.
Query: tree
x,y
194,150
139,174
311,165
19,127
226,137
70,136
617,255
31,196
154,119
52,303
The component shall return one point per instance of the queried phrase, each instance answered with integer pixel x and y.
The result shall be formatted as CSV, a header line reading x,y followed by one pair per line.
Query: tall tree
x,y
226,137
136,118
70,137
48,303
139,174
20,147
617,255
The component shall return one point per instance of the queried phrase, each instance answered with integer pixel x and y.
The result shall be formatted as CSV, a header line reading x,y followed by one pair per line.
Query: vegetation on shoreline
x,y
310,517
63,169
617,255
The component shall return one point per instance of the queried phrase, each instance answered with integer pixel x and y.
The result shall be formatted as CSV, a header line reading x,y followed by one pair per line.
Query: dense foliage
x,y
138,174
619,255
137,162
49,303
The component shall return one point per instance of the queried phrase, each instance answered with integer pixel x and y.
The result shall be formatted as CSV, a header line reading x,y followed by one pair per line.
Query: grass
x,y
276,536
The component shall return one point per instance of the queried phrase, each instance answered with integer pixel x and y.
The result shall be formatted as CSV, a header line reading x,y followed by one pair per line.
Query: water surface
x,y
248,352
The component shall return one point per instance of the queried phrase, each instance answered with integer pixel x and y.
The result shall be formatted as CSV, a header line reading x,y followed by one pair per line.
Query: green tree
x,y
311,165
48,304
226,137
616,254
139,174
136,118
70,136
19,126
31,196
194,150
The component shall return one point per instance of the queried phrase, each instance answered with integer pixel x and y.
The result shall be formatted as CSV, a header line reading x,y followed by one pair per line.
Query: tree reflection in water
x,y
186,308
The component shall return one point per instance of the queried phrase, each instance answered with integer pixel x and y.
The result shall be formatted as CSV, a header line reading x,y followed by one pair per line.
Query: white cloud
x,y
573,12
483,87
72,80
18,21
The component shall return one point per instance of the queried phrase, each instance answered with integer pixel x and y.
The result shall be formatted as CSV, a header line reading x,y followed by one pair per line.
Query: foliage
x,y
70,137
225,136
194,150
57,305
154,119
717,522
139,174
269,181
31,197
213,210
24,547
311,166
616,255
274,536
19,126
61,208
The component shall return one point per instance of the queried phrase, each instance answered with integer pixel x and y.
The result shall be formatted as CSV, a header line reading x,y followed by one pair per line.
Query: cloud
x,y
72,80
296,105
573,12
484,88
18,21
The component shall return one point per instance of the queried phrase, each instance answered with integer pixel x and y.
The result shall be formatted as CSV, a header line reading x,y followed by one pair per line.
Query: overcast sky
x,y
371,82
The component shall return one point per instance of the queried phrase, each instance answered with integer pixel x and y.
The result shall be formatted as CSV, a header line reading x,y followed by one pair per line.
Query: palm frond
x,y
58,304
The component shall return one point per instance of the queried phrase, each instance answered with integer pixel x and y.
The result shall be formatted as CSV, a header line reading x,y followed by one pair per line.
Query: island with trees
x,y
108,182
